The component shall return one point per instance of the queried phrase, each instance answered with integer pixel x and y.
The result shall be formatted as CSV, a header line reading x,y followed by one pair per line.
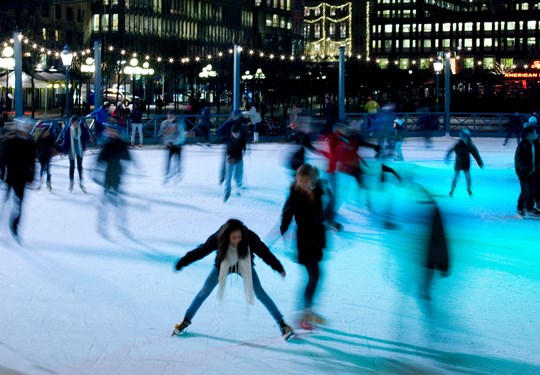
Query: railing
x,y
481,124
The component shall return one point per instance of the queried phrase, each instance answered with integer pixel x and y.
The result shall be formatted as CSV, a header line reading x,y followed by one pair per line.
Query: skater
x,y
526,166
399,129
173,137
305,204
46,148
236,247
75,138
331,115
110,164
254,119
223,132
464,148
19,155
101,114
136,124
372,108
513,127
236,147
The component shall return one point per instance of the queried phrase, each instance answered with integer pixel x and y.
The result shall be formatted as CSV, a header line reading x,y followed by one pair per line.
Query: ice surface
x,y
74,301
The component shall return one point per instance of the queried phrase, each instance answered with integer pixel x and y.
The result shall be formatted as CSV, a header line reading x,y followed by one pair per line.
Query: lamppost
x,y
7,62
67,58
247,77
88,68
208,72
438,67
134,70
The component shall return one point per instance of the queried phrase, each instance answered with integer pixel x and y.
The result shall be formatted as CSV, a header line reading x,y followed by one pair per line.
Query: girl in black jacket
x,y
305,204
236,247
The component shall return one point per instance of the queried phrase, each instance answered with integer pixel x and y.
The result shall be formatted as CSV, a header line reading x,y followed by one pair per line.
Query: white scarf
x,y
75,135
232,263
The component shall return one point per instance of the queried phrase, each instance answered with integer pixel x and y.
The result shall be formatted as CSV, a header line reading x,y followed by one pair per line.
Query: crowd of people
x,y
310,201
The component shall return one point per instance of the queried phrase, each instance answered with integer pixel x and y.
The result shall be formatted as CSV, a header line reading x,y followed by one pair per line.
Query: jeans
x,y
212,281
136,127
314,274
236,170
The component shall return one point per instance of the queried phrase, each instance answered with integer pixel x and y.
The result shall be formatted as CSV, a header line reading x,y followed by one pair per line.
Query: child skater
x,y
464,148
305,204
236,247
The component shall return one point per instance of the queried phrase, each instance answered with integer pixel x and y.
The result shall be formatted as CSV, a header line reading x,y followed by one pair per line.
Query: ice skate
x,y
49,186
452,191
469,191
83,189
286,331
71,184
180,327
335,226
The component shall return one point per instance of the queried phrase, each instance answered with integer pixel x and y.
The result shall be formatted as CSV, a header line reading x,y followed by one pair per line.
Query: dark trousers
x,y
528,193
45,168
18,188
174,151
72,168
314,273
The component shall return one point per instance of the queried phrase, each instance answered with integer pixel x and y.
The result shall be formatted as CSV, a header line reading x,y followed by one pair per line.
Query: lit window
x,y
115,22
388,29
446,26
406,43
332,30
44,32
531,42
105,22
488,42
268,20
468,63
386,14
275,20
467,43
406,13
427,43
343,30
510,42
488,26
468,26
406,28
317,30
446,43
511,26
531,25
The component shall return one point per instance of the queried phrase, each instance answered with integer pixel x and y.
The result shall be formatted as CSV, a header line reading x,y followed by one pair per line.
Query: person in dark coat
x,y
464,148
305,204
46,149
19,155
109,164
76,137
331,115
236,147
236,247
514,126
526,167
223,132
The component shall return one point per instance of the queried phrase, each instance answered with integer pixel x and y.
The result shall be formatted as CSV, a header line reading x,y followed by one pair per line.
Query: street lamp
x,y
67,58
7,62
208,72
438,67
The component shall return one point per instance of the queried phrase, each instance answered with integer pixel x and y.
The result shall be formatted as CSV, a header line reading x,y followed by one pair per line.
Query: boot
x,y
71,184
286,331
49,187
179,328
256,137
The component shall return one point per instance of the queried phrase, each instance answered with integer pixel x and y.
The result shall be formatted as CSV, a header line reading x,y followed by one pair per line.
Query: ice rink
x,y
74,300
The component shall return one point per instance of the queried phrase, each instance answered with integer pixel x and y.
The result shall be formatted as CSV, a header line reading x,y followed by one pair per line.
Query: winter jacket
x,y
46,146
523,159
309,216
173,133
136,116
112,154
236,148
343,153
399,130
256,247
101,115
85,136
19,157
463,151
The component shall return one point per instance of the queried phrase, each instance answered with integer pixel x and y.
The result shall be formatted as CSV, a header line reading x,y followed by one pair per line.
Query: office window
x,y
427,43
510,26
275,20
56,35
317,11
115,22
105,22
489,62
531,42
388,29
510,42
406,28
282,22
268,20
531,25
44,33
404,63
446,27
387,45
468,26
488,42
488,26
282,4
467,43
468,63
407,13
406,43
424,64
386,14
446,43
525,6
306,11
332,30
317,30
343,30
289,25
95,23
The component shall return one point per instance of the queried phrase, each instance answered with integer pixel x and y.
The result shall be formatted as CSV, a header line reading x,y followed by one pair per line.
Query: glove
x,y
178,265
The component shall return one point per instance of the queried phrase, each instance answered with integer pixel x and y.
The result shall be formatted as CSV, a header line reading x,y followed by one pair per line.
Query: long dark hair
x,y
224,235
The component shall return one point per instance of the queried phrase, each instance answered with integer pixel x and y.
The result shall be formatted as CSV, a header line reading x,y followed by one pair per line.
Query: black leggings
x,y
72,168
313,281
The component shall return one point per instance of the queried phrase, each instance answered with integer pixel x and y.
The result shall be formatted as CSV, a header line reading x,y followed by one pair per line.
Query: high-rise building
x,y
486,33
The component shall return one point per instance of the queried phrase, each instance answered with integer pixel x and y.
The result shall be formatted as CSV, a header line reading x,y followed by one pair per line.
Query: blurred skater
x,y
464,148
513,127
399,129
223,132
173,137
19,154
76,137
305,204
109,166
236,247
526,167
234,167
46,149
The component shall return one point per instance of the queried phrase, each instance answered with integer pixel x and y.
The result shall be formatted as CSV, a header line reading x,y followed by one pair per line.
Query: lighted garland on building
x,y
382,62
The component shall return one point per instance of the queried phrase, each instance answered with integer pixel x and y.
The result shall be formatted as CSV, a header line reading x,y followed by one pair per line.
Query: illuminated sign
x,y
535,64
521,75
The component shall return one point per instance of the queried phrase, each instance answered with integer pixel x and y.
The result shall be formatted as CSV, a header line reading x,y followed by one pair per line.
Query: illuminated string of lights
x,y
81,54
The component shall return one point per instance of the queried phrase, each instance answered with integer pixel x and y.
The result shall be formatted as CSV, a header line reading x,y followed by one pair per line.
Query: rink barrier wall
x,y
480,124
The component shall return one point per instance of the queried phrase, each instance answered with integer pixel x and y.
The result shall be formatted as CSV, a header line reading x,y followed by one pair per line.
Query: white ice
x,y
73,301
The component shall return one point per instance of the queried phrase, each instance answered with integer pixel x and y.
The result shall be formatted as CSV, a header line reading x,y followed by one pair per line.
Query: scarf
x,y
233,264
76,145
